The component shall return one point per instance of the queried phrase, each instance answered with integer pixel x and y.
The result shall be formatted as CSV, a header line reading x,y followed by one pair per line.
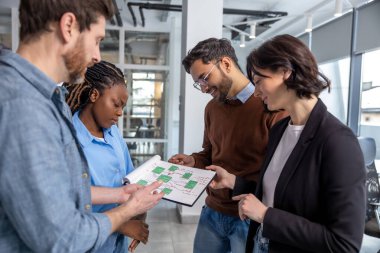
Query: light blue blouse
x,y
108,159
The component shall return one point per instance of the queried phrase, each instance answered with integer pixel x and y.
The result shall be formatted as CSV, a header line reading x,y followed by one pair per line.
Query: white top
x,y
99,138
288,140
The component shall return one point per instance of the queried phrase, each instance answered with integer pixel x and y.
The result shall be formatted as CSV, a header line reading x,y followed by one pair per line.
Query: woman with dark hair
x,y
311,192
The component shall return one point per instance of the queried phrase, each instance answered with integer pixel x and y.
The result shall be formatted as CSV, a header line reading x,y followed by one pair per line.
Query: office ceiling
x,y
294,22
155,20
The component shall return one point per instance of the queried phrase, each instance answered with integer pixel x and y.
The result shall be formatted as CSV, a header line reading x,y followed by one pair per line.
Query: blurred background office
x,y
164,114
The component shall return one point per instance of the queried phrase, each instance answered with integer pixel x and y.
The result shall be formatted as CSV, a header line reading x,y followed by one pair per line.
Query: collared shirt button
x,y
57,91
87,207
85,175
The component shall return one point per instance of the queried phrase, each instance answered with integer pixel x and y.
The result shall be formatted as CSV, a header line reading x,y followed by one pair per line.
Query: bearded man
x,y
45,201
236,134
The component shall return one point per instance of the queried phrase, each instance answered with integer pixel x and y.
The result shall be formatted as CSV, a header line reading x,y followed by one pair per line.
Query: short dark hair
x,y
101,76
36,15
290,53
209,50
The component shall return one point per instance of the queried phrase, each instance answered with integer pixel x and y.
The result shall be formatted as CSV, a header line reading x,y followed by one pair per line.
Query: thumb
x,y
239,197
211,167
213,184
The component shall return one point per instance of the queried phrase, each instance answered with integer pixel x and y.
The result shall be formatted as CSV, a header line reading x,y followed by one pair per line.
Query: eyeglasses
x,y
202,82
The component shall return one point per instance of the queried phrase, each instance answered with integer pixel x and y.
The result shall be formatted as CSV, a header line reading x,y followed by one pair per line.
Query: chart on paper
x,y
181,184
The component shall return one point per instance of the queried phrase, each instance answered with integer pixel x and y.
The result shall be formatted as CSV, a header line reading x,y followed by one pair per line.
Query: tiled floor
x,y
167,235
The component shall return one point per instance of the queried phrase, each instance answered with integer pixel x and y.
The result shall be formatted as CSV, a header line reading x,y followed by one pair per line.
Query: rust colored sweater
x,y
235,138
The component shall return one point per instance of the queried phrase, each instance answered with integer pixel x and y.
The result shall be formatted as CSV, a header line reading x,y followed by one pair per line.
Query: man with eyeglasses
x,y
236,135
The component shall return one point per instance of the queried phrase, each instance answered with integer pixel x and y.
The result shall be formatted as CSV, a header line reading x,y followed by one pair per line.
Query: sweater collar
x,y
242,96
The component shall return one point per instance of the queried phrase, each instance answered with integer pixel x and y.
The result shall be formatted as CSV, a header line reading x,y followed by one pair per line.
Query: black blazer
x,y
319,200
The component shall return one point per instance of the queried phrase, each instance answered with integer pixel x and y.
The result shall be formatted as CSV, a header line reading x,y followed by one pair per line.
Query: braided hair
x,y
100,76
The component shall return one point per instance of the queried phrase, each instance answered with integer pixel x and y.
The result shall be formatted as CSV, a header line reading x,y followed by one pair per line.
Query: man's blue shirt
x,y
245,93
45,201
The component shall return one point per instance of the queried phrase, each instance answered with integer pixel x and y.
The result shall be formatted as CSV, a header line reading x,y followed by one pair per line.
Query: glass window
x,y
369,125
109,47
146,48
145,108
146,92
337,100
144,115
144,119
5,27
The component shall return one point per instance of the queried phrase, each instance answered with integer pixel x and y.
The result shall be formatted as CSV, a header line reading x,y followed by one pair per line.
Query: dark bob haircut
x,y
289,53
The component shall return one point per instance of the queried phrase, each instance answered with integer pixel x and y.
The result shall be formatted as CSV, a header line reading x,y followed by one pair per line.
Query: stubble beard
x,y
224,88
76,64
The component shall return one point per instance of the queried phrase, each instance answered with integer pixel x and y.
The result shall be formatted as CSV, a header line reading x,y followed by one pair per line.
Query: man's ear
x,y
94,95
68,25
226,63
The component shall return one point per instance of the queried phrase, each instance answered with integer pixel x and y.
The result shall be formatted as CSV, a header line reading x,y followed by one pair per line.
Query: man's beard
x,y
224,88
76,63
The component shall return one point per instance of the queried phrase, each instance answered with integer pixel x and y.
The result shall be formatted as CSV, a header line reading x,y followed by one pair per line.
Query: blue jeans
x,y
261,243
219,233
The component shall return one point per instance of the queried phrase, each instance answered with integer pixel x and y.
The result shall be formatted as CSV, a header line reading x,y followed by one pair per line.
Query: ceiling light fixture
x,y
309,25
252,33
242,40
338,8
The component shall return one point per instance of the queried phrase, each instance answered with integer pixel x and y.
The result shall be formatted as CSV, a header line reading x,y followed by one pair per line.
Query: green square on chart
x,y
158,170
142,182
191,184
173,168
187,175
164,178
167,191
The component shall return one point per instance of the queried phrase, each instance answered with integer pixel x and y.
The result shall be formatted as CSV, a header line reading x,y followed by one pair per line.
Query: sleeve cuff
x,y
105,226
243,186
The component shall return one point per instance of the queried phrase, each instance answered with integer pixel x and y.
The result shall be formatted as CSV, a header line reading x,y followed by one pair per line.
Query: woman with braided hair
x,y
96,104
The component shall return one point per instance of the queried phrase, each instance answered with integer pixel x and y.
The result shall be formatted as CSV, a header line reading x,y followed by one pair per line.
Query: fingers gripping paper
x,y
181,184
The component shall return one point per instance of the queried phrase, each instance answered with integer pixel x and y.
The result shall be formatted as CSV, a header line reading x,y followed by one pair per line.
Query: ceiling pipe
x,y
142,16
178,8
236,30
149,6
132,14
117,14
256,21
267,14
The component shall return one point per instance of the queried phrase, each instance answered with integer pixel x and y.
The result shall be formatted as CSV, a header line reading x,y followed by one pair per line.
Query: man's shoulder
x,y
255,101
19,100
12,83
14,96
4,52
26,109
15,88
256,105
